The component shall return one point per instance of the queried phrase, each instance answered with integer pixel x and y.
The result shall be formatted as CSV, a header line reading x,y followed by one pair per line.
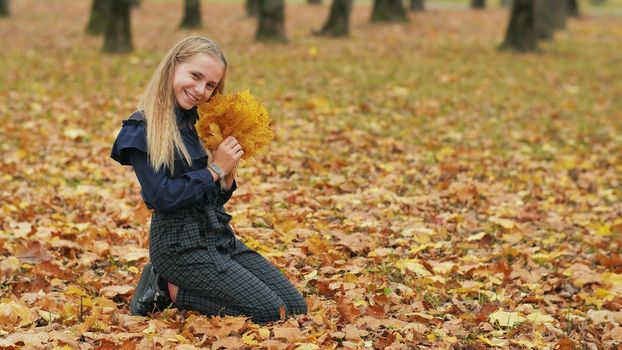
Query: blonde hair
x,y
158,101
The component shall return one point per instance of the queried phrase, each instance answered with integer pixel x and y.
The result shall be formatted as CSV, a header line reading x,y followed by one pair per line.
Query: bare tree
x,y
573,8
100,10
252,8
271,21
4,8
192,14
339,19
118,32
478,4
417,5
388,11
521,33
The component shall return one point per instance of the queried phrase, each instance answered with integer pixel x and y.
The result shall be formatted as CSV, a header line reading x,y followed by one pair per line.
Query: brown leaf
x,y
113,291
486,310
105,344
32,252
564,344
385,341
228,343
376,311
290,334
348,311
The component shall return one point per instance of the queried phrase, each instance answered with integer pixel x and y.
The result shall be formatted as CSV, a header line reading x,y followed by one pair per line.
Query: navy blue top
x,y
189,184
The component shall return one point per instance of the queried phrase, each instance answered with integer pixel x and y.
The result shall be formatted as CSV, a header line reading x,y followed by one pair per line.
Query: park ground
x,y
425,190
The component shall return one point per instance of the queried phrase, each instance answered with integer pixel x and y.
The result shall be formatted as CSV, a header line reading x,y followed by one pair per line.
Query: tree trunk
x,y
543,19
559,11
271,21
505,3
100,10
338,20
192,14
252,8
4,8
521,34
388,11
118,32
478,4
573,8
417,5
314,2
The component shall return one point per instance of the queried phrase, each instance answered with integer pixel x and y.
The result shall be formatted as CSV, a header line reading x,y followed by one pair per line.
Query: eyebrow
x,y
202,76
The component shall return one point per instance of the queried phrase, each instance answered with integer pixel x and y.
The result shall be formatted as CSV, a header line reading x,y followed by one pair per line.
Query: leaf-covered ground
x,y
424,190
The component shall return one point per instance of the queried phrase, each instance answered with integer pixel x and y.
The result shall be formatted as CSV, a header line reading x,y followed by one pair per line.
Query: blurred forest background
x,y
444,176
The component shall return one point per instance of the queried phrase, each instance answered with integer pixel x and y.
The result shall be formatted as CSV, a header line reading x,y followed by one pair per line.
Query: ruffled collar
x,y
185,117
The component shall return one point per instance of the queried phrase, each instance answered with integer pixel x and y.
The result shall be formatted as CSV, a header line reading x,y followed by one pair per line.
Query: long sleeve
x,y
160,190
225,195
163,193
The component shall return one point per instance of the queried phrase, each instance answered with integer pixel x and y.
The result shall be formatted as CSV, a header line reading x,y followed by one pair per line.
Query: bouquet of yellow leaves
x,y
239,115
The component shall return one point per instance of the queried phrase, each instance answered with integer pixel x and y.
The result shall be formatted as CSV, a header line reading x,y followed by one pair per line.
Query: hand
x,y
228,154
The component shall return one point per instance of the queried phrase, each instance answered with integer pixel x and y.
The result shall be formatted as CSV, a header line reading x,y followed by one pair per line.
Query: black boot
x,y
149,296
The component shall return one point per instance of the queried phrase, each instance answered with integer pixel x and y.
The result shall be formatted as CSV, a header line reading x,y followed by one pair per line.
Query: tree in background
x,y
118,37
505,3
521,33
339,19
478,4
417,5
314,2
192,14
100,10
388,11
252,8
573,8
136,3
271,21
4,8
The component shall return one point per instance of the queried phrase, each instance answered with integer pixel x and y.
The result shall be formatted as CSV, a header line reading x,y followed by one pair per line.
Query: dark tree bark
x,y
543,20
478,4
388,11
521,34
505,3
314,2
559,11
573,8
417,5
4,8
271,21
118,32
252,8
192,14
339,19
100,10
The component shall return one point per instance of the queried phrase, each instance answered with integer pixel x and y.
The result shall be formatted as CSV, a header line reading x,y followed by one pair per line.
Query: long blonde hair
x,y
158,101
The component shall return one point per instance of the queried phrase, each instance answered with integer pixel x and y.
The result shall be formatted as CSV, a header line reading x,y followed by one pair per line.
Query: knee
x,y
297,306
270,311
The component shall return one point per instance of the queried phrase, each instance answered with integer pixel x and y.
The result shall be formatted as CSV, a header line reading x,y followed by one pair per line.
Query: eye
x,y
195,76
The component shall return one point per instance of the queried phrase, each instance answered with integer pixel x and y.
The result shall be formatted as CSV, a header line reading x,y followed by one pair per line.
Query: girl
x,y
199,262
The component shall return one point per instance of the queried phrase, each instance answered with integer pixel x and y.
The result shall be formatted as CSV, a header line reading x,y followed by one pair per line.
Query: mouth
x,y
191,97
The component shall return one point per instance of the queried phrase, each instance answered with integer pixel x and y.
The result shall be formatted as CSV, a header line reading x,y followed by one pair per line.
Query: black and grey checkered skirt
x,y
195,249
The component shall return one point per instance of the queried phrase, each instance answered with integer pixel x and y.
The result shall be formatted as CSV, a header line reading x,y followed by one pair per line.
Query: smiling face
x,y
195,80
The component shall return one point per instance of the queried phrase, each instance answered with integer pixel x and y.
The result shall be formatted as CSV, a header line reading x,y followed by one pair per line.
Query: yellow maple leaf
x,y
239,115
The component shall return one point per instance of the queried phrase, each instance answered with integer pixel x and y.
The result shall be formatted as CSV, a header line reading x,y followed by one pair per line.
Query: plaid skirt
x,y
195,249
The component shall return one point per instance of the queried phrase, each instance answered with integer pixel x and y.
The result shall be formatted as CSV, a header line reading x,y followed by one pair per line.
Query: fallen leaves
x,y
462,203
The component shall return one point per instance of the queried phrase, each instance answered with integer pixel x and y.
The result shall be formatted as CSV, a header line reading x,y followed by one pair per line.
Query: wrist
x,y
218,170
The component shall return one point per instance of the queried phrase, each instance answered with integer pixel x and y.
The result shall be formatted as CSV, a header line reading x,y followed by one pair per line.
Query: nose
x,y
199,90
